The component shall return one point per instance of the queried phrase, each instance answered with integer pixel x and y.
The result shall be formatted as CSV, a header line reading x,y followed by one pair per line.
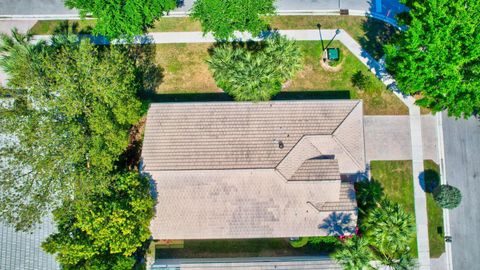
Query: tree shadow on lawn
x,y
72,28
206,97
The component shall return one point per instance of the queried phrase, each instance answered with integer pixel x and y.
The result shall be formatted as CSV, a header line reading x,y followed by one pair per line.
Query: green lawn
x,y
232,248
354,25
45,27
185,72
370,33
396,180
435,216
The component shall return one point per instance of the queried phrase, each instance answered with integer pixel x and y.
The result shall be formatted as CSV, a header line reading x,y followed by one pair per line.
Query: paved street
x,y
56,8
462,148
34,7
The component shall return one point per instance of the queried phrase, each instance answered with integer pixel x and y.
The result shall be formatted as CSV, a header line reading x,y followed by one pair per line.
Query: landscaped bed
x,y
186,71
231,248
396,180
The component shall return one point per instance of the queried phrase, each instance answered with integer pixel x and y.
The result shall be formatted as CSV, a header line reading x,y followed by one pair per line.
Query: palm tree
x,y
390,228
16,53
403,262
354,254
255,75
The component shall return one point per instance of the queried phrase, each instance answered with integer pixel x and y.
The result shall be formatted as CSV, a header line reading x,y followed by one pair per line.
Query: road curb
x,y
443,180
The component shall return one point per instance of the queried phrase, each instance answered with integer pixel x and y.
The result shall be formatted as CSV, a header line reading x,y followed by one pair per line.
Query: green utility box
x,y
333,54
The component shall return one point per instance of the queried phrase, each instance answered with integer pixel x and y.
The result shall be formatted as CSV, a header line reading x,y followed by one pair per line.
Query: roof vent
x,y
279,143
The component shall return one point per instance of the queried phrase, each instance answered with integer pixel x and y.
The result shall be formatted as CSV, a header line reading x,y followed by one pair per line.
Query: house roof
x,y
317,169
242,135
22,250
250,170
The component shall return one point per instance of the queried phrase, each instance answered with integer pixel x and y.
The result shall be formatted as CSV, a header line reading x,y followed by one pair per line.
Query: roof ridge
x,y
348,114
347,152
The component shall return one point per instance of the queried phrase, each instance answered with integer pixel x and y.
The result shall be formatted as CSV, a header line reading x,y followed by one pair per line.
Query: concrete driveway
x,y
462,165
388,138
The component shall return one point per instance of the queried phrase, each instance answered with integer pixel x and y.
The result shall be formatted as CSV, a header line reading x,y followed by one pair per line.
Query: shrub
x,y
255,74
363,82
447,196
324,243
300,242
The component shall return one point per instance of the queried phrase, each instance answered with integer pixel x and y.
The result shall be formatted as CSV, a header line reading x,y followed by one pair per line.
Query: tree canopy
x,y
390,229
354,254
438,57
122,18
73,106
223,17
103,229
257,71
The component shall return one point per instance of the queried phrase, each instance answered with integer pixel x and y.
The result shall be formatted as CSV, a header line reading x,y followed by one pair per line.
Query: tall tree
x,y
103,229
223,17
122,18
73,105
438,56
255,74
354,254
